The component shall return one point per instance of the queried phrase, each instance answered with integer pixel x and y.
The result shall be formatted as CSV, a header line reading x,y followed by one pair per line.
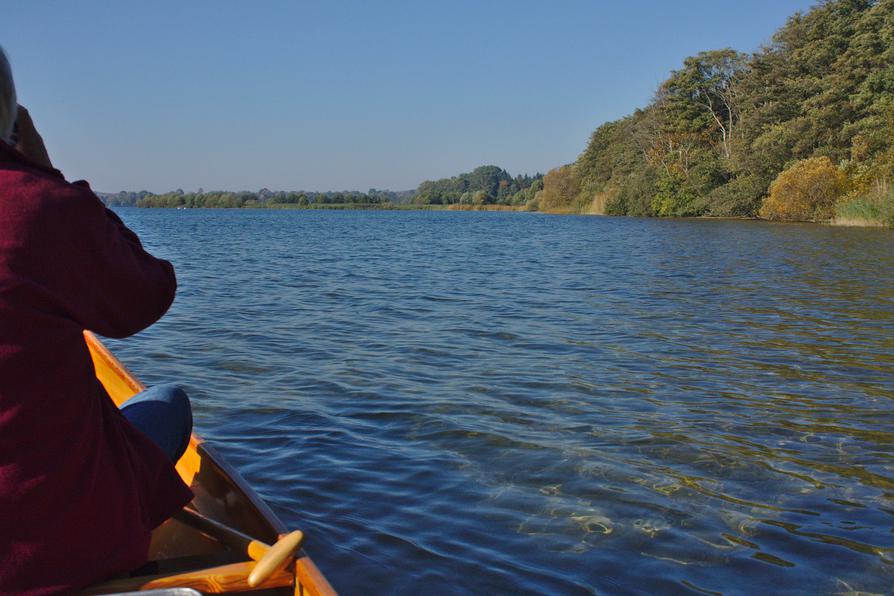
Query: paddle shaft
x,y
255,549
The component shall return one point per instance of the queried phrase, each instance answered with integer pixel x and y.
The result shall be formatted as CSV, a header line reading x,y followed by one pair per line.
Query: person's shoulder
x,y
31,191
38,204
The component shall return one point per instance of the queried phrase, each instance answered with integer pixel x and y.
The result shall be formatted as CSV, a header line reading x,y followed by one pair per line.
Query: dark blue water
x,y
506,403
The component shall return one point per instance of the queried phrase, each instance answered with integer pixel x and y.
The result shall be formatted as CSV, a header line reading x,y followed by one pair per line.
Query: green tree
x,y
703,97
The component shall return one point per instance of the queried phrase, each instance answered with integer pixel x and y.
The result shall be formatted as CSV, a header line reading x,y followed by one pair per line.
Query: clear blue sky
x,y
337,95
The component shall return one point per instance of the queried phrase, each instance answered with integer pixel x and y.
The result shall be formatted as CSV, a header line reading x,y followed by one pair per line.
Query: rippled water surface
x,y
502,402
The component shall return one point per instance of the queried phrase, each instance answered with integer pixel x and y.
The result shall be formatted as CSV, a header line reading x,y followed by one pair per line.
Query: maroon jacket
x,y
80,488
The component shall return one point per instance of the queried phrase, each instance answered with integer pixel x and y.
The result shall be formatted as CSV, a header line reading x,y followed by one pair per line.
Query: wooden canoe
x,y
214,547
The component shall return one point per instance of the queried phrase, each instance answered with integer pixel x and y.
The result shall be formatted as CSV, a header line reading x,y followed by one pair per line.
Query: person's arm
x,y
28,140
99,269
85,257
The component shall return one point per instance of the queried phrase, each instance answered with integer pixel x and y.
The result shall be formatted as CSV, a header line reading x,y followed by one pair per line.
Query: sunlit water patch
x,y
498,403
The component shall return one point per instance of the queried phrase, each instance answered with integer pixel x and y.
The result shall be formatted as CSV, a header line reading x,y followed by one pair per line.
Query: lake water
x,y
451,402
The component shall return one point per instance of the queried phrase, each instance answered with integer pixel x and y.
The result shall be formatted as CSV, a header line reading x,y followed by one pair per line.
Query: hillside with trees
x,y
801,130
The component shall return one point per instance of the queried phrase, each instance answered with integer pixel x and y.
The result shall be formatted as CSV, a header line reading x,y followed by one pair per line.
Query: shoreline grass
x,y
875,208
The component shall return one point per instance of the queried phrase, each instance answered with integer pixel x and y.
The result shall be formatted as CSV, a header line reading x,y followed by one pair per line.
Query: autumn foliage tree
x,y
560,187
807,191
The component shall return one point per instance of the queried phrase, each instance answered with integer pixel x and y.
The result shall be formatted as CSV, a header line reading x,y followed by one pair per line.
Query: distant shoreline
x,y
346,207
847,223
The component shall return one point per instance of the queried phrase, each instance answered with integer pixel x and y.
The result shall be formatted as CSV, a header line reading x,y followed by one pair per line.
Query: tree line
x,y
264,198
486,185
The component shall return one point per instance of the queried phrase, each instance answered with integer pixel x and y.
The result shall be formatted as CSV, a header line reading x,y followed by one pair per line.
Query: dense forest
x,y
801,130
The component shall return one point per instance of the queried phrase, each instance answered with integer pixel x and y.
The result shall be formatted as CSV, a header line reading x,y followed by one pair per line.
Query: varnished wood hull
x,y
178,550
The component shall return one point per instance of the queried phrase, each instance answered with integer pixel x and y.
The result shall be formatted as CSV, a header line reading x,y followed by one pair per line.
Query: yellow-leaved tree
x,y
807,191
560,187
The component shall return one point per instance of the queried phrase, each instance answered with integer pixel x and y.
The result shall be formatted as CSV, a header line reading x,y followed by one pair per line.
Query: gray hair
x,y
8,102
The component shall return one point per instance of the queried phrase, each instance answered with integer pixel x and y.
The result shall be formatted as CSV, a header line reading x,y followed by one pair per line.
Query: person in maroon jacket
x,y
82,483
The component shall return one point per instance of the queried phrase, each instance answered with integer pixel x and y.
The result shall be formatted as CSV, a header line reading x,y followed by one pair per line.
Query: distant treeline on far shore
x,y
221,199
484,186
